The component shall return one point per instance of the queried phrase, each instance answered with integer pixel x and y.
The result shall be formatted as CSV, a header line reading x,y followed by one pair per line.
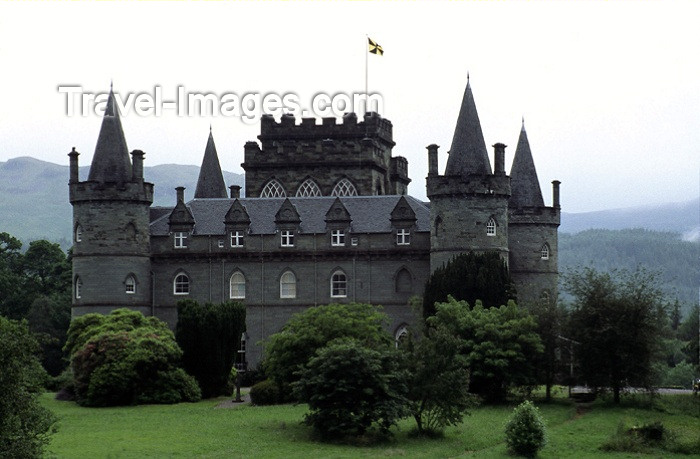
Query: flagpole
x,y
366,49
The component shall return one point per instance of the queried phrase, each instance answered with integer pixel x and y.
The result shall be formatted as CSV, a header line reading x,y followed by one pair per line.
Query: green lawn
x,y
201,430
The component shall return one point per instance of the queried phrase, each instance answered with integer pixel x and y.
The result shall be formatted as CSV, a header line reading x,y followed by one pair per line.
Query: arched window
x,y
130,284
404,282
491,227
344,188
78,233
438,225
544,298
308,188
401,335
237,285
181,284
544,252
273,189
339,285
78,287
288,285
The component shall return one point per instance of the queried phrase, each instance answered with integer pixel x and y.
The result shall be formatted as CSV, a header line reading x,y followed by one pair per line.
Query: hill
x,y
34,195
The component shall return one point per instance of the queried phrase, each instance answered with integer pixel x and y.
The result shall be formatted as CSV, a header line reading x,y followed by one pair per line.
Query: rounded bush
x,y
525,431
265,393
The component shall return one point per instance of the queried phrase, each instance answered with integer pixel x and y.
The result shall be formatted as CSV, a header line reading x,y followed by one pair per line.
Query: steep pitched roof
x,y
111,162
468,152
369,214
211,180
524,185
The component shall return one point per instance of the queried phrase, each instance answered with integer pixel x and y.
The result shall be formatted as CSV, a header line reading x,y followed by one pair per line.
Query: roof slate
x,y
468,151
524,185
370,214
111,162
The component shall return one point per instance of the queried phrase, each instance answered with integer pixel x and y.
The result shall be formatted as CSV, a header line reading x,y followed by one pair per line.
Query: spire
x,y
525,187
211,180
468,152
111,163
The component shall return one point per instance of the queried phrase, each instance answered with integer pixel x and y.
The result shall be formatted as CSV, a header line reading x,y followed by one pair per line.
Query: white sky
x,y
610,91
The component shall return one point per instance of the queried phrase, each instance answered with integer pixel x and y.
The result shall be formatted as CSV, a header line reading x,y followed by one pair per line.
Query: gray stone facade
x,y
325,219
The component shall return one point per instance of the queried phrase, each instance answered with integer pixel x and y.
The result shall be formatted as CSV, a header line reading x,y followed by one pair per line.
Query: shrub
x,y
350,387
525,431
128,361
265,393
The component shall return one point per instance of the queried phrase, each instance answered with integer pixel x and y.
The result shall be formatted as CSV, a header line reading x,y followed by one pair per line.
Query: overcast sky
x,y
610,91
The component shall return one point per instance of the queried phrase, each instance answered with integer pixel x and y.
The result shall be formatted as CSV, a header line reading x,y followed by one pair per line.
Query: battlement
x,y
538,215
471,185
287,128
111,191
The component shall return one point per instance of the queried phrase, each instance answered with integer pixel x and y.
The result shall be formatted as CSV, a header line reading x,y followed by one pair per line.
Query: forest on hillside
x,y
674,259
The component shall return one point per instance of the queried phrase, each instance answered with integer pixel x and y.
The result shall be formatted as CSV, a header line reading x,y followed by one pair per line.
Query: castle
x,y
326,218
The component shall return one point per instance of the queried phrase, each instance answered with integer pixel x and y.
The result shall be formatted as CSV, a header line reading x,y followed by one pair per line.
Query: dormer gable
x,y
181,218
237,216
287,215
338,215
403,215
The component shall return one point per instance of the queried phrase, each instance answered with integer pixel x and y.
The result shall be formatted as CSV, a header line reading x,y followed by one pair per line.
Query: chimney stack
x,y
235,191
499,159
73,155
180,193
137,166
555,194
432,159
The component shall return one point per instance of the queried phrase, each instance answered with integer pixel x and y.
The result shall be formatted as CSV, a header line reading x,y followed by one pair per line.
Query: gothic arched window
x,y
544,252
78,287
273,189
130,284
344,187
404,282
308,188
491,227
78,233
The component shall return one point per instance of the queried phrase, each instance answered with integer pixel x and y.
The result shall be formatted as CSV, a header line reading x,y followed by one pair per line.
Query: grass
x,y
202,430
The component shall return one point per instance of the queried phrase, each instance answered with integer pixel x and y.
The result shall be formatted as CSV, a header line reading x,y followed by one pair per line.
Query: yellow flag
x,y
375,48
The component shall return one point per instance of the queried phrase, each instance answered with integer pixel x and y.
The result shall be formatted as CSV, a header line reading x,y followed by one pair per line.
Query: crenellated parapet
x,y
535,215
99,191
470,185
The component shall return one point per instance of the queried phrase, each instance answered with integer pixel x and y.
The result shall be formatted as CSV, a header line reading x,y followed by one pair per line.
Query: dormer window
x,y
78,233
338,238
236,238
491,227
287,238
544,252
180,239
403,237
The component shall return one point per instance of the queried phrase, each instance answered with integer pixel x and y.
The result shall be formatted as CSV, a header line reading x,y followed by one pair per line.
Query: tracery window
x,y
130,284
491,227
544,252
273,189
344,188
308,189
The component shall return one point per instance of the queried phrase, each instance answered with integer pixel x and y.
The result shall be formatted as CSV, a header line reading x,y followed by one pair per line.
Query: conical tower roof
x,y
211,180
111,162
524,185
468,152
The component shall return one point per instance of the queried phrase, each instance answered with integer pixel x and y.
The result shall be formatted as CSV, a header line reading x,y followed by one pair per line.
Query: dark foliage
x,y
350,388
25,425
210,337
470,277
265,393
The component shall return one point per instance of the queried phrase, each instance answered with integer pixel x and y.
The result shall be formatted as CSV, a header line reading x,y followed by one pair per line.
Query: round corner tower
x,y
111,240
469,203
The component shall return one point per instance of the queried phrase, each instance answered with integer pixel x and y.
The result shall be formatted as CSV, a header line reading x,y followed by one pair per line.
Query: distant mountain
x,y
34,195
680,217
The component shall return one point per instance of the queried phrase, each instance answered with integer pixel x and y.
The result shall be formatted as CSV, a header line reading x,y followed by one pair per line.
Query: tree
x,y
500,345
688,333
470,277
124,359
210,336
288,351
11,304
49,319
350,387
550,318
618,320
438,378
25,426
